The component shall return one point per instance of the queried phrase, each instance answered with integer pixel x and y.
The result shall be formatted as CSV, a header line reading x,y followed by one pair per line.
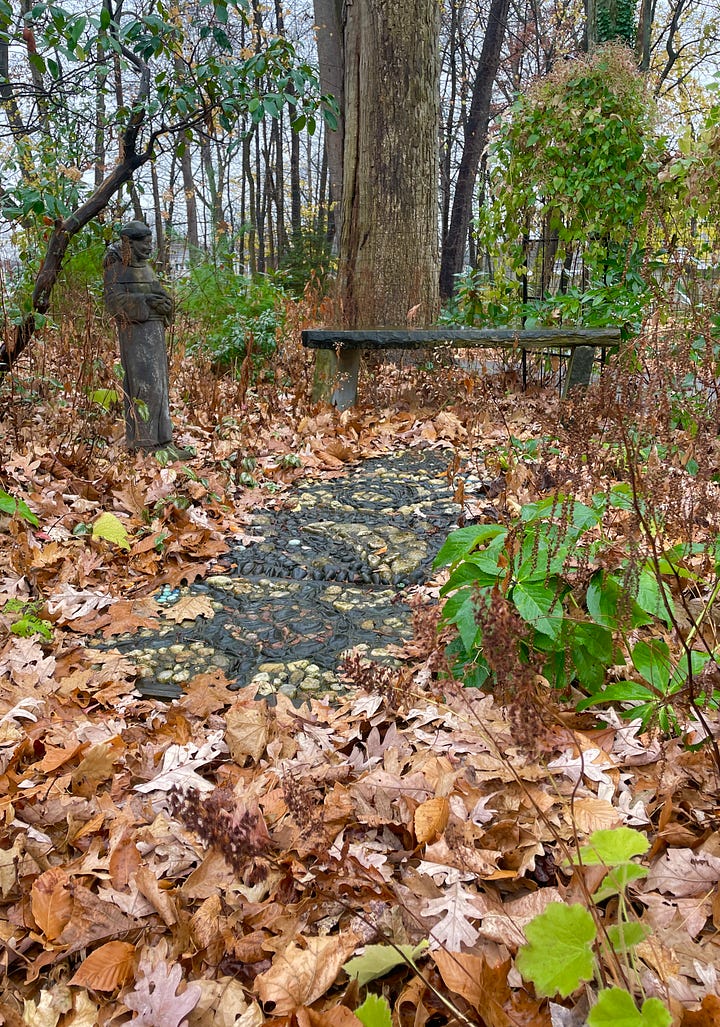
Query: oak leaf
x,y
156,1001
107,967
454,929
68,603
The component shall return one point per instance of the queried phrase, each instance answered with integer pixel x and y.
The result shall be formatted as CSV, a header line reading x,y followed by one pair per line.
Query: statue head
x,y
136,239
135,230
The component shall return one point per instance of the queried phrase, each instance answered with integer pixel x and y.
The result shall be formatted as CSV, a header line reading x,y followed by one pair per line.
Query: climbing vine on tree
x,y
576,161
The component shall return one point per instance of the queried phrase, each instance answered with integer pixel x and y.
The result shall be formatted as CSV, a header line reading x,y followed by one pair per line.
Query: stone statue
x,y
142,308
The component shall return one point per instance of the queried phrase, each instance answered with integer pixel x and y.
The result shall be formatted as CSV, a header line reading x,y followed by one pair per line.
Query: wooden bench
x,y
347,345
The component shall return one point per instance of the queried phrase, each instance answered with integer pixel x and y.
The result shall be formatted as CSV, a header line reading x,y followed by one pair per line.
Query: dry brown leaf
x,y
205,922
223,1003
431,819
336,1016
708,1015
96,767
149,886
684,872
52,902
484,987
107,967
300,975
124,860
247,731
92,920
190,608
592,814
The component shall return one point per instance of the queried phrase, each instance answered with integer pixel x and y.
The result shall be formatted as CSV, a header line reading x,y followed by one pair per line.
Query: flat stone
x,y
220,581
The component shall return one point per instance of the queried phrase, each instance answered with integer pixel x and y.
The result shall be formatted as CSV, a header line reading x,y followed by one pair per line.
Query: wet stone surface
x,y
326,575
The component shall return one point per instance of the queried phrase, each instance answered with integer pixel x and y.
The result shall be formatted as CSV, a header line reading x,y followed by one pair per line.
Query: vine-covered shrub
x,y
580,149
576,164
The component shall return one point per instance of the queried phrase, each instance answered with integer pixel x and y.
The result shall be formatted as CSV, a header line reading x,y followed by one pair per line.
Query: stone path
x,y
326,574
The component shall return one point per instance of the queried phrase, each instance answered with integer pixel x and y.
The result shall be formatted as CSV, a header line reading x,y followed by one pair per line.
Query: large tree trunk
x,y
476,130
389,239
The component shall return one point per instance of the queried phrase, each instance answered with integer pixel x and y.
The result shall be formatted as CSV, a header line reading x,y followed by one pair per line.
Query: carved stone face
x,y
141,248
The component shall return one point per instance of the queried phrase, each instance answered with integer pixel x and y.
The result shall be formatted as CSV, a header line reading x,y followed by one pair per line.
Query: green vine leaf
x,y
615,1008
559,954
374,1012
377,960
613,846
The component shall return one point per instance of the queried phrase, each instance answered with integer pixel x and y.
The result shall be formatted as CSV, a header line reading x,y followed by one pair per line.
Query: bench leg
x,y
580,369
324,377
336,377
346,379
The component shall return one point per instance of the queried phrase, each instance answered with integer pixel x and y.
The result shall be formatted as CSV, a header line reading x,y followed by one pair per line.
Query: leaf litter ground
x,y
402,813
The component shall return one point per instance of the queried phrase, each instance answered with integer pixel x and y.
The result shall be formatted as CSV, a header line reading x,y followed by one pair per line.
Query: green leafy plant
x,y
375,1012
577,599
228,308
378,960
17,508
28,621
565,948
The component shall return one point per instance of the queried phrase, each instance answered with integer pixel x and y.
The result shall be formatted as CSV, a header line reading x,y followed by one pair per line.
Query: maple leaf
x,y
155,1001
454,929
190,608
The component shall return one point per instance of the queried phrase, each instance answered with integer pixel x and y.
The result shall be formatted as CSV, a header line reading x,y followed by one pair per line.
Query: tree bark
x,y
193,235
476,130
388,273
331,58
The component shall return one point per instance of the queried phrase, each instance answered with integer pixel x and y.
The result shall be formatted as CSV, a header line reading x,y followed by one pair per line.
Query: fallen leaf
x,y
708,1015
52,902
223,1003
684,872
106,967
190,608
112,529
431,819
155,998
336,1016
485,987
247,731
454,929
300,975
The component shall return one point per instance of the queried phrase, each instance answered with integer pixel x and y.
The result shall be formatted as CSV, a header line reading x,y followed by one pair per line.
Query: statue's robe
x,y
128,293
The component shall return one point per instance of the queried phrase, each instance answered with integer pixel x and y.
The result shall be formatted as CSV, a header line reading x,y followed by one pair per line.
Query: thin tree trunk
x,y
193,235
329,29
475,141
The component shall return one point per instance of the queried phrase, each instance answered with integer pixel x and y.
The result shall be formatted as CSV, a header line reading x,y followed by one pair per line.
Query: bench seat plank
x,y
458,338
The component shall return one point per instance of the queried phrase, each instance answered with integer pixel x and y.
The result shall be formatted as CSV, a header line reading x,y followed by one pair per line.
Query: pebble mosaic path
x,y
329,572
